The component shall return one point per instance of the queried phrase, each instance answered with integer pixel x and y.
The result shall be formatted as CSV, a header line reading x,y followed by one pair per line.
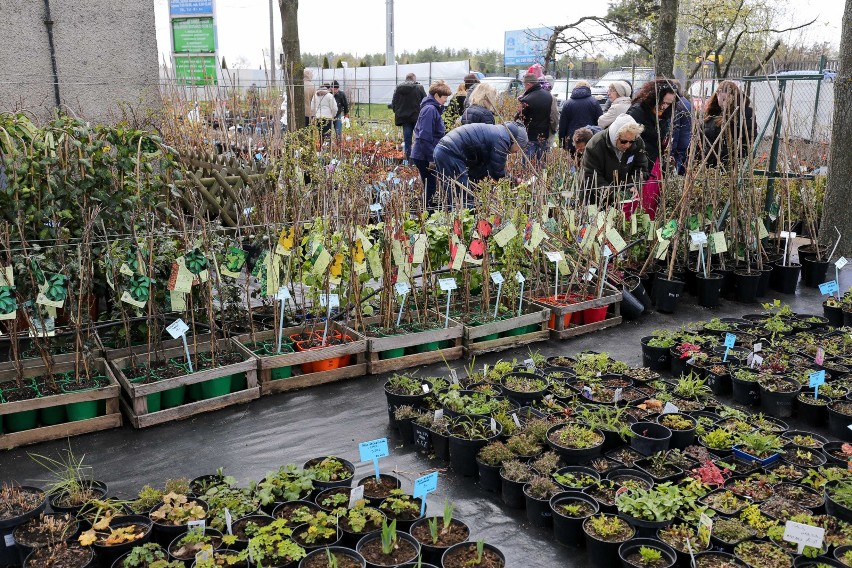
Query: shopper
x,y
476,151
471,82
681,132
324,109
615,156
619,101
406,107
483,104
580,109
455,108
729,123
427,132
310,91
342,108
580,139
652,108
535,115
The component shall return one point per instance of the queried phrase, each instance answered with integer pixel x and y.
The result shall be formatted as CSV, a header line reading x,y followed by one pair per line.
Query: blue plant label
x,y
730,340
829,287
817,378
374,449
425,485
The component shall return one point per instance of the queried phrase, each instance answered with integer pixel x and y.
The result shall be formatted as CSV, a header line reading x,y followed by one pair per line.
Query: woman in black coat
x,y
729,123
652,108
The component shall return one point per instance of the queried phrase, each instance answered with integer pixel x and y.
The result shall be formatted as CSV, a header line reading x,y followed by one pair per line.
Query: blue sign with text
x,y
190,7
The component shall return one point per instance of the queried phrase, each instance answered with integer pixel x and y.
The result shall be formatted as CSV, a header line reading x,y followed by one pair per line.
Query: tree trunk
x,y
836,210
293,68
664,43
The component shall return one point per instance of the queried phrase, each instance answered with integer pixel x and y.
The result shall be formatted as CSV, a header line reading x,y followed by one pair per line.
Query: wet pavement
x,y
255,438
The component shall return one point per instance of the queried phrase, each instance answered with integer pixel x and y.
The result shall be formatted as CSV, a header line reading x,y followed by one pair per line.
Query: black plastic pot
x,y
489,547
720,383
422,437
815,415
31,562
512,493
830,457
441,445
568,531
746,284
172,546
727,281
633,545
779,404
600,553
647,280
376,498
396,400
834,315
708,289
334,550
463,452
573,456
642,294
667,294
724,557
107,554
163,534
813,271
521,397
681,438
786,277
805,562
655,358
99,489
489,476
649,438
619,475
847,317
763,283
631,306
9,552
745,392
838,423
399,535
538,510
834,508
430,552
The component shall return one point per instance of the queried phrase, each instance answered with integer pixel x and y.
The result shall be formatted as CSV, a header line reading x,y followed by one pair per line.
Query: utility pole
x,y
273,67
390,56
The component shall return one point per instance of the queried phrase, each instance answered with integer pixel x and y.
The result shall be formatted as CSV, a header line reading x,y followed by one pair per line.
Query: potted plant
x,y
646,552
112,536
330,471
467,436
171,516
59,555
659,467
402,508
839,417
273,545
319,531
777,394
683,539
763,555
489,460
745,388
725,502
513,476
655,350
604,536
538,491
46,530
289,483
574,442
437,534
682,427
576,477
651,509
728,532
757,447
649,437
357,521
388,547
186,546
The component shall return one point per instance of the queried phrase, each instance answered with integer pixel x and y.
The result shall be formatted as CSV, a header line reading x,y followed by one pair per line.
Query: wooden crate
x,y
610,296
357,349
135,403
109,393
534,314
453,332
114,354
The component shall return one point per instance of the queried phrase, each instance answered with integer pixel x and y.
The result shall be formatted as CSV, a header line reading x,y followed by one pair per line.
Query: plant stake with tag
x,y
178,328
447,285
520,279
282,295
497,278
402,289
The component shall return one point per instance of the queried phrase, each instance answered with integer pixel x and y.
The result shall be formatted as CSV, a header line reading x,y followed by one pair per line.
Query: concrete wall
x,y
106,55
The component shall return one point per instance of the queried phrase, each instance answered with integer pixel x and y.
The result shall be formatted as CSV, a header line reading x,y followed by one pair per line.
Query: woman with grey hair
x,y
619,98
616,156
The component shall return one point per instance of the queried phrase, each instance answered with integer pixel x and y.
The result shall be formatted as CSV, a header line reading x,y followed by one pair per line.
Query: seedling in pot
x,y
388,536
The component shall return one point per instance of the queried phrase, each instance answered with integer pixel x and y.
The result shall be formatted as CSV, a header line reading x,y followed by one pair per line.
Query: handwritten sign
x,y
788,235
519,278
356,495
9,540
698,238
330,300
447,284
804,535
840,263
817,378
373,450
177,328
553,256
829,287
376,207
283,294
497,278
425,485
529,364
196,525
705,528
402,288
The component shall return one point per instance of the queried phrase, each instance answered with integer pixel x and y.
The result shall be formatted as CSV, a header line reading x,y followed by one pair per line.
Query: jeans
x,y
430,181
338,126
536,150
407,135
450,168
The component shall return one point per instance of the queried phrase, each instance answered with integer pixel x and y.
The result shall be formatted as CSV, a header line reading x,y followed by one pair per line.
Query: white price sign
x,y
788,235
177,328
196,525
228,521
698,238
553,256
283,294
447,284
376,207
841,262
670,408
497,278
519,278
402,288
330,300
804,535
356,495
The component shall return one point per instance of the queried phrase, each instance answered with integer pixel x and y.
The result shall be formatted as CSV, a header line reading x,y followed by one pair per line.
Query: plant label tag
x,y
425,388
841,262
196,525
376,207
621,490
447,284
816,378
553,256
283,294
330,300
425,485
9,540
497,278
516,420
698,238
529,364
757,347
454,377
177,328
788,235
756,360
820,356
439,414
828,287
402,288
804,535
228,521
373,449
587,392
617,395
356,495
519,278
493,426
206,553
705,528
670,408
730,340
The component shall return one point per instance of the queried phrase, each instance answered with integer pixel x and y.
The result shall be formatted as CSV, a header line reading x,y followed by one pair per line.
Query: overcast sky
x,y
358,26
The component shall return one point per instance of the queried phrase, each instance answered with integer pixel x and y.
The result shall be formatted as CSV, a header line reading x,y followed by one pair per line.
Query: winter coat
x,y
475,113
681,134
616,108
483,148
656,130
716,141
535,113
428,130
323,104
406,102
342,103
600,161
580,109
310,92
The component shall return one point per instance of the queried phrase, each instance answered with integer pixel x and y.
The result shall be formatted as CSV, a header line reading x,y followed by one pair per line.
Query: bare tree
x,y
293,68
837,194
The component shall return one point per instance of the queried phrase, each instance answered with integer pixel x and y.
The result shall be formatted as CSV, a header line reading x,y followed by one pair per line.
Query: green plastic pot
x,y
194,392
489,337
431,346
271,350
173,397
282,373
216,387
20,421
238,382
80,410
154,400
52,415
392,353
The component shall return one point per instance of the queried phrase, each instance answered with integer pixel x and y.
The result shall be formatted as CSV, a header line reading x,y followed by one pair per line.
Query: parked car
x,y
505,86
562,90
633,76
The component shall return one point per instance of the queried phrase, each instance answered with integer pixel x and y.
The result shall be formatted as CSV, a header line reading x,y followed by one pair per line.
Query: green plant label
x,y
8,303
506,234
235,259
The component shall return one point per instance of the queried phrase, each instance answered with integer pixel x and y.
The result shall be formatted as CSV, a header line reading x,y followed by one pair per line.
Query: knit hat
x,y
519,133
617,125
537,70
622,89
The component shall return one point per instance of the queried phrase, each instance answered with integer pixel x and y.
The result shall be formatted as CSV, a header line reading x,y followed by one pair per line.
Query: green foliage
x,y
289,483
388,536
650,555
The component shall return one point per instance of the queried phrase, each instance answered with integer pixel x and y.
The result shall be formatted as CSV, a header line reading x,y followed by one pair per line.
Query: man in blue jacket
x,y
428,131
475,151
580,110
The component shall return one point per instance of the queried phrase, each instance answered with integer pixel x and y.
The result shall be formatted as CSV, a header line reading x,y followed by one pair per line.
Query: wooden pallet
x,y
356,349
109,393
575,330
453,332
610,297
135,403
533,315
114,354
